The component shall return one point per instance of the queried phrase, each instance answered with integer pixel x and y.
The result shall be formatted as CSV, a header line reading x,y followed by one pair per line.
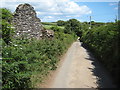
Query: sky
x,y
53,10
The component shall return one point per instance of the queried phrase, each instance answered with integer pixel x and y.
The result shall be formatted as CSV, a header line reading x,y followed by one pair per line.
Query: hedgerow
x,y
103,42
23,58
25,62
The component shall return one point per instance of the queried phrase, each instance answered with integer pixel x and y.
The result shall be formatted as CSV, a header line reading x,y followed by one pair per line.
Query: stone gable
x,y
26,22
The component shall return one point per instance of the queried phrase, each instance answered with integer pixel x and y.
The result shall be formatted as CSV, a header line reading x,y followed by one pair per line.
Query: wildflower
x,y
15,45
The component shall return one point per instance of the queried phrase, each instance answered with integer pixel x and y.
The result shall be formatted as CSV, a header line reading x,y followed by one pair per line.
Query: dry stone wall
x,y
26,22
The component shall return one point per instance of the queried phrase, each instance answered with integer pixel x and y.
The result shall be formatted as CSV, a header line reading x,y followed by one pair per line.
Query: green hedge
x,y
24,60
103,42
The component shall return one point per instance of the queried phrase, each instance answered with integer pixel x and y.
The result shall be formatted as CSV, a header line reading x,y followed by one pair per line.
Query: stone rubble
x,y
48,33
26,22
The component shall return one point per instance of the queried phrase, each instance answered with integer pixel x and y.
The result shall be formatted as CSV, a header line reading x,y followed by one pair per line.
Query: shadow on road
x,y
104,79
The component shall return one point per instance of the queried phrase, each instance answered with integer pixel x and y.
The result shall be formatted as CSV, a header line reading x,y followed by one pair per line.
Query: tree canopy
x,y
73,25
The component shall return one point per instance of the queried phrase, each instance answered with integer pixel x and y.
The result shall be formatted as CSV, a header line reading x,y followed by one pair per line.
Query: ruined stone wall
x,y
26,22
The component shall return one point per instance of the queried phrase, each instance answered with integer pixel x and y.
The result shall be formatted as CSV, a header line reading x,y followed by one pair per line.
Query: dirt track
x,y
79,69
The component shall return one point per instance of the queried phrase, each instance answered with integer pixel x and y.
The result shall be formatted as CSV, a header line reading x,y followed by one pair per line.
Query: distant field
x,y
48,25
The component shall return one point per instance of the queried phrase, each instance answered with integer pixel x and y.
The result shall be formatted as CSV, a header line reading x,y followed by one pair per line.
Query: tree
x,y
73,26
60,22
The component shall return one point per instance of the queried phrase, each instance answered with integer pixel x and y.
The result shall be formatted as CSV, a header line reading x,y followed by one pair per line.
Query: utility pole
x,y
116,18
119,10
90,23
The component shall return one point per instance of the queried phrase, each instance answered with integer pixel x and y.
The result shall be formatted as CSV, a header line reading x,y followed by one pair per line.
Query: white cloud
x,y
54,8
48,17
11,6
95,0
57,8
114,3
61,0
74,8
116,8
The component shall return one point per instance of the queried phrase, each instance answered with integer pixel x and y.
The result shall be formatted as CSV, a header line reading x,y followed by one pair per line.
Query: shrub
x,y
6,29
60,22
24,60
73,26
103,41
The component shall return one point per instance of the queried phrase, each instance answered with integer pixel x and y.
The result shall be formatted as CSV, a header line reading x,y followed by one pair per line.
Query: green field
x,y
48,25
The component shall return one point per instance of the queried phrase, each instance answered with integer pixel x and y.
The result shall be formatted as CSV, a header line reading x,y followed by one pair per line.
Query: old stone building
x,y
26,22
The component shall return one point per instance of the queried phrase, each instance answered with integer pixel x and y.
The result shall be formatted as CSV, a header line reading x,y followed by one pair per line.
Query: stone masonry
x,y
26,22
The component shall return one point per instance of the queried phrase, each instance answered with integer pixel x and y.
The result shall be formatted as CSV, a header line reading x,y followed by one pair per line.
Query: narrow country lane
x,y
79,69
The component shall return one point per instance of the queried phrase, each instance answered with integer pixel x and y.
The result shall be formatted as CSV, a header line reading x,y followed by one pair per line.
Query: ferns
x,y
21,61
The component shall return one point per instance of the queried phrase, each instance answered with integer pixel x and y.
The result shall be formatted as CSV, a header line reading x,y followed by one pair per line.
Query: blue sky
x,y
53,10
101,11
